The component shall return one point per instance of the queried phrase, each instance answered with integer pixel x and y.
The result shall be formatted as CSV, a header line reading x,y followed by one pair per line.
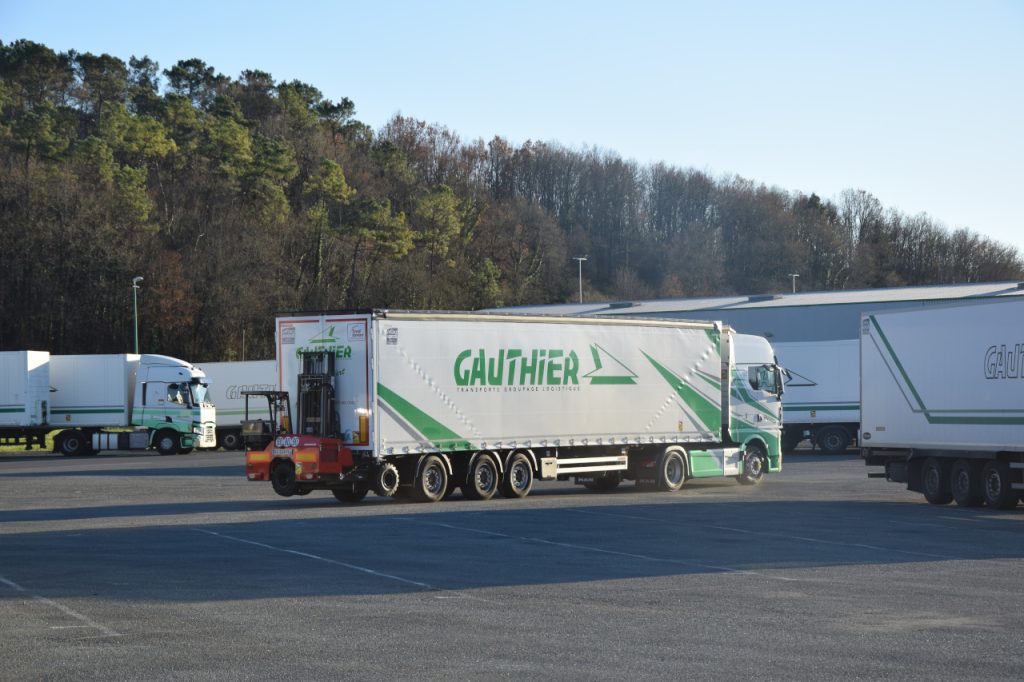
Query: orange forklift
x,y
311,456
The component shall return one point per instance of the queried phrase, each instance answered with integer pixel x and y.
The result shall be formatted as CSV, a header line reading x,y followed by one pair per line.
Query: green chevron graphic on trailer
x,y
437,433
921,408
326,337
708,412
602,376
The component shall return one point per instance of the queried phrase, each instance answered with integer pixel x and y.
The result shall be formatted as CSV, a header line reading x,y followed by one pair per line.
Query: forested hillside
x,y
238,197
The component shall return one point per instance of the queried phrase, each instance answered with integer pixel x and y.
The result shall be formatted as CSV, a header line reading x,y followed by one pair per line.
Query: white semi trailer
x,y
822,399
105,402
942,400
424,403
227,381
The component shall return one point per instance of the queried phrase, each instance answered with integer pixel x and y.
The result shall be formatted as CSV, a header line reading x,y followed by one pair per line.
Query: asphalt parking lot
x,y
129,567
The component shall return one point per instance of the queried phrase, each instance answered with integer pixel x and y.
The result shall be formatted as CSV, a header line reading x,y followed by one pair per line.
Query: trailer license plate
x,y
282,452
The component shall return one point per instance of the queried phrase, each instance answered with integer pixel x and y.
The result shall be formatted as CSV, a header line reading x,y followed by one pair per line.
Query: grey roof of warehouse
x,y
787,316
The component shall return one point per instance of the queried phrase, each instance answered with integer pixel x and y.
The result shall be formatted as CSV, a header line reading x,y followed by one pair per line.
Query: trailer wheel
x,y
431,481
935,482
386,480
996,486
755,463
671,471
230,440
349,496
73,443
167,442
518,479
282,479
482,479
833,440
965,483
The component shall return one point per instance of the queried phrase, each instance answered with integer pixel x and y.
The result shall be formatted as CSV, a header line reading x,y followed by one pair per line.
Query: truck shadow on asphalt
x,y
396,549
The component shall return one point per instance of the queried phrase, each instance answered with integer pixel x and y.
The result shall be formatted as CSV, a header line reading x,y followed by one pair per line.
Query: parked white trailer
x,y
822,399
485,402
116,402
942,400
24,396
227,380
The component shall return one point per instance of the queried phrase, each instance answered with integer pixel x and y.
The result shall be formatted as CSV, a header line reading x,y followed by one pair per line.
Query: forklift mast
x,y
317,415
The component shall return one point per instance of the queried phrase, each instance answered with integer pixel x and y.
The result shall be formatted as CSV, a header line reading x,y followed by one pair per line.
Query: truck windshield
x,y
200,393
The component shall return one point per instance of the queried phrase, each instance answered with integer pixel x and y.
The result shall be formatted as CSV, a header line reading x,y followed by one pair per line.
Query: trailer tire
x,y
833,440
965,483
348,496
481,479
230,440
935,482
282,479
518,479
431,481
73,444
671,470
386,480
996,486
755,463
167,442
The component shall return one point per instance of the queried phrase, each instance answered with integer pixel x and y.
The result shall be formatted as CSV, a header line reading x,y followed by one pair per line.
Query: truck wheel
x,y
385,480
833,440
996,486
482,479
755,463
348,496
935,482
432,480
167,442
518,480
282,479
73,443
671,471
965,483
230,440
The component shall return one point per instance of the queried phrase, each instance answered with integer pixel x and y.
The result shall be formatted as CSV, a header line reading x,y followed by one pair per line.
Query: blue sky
x,y
918,103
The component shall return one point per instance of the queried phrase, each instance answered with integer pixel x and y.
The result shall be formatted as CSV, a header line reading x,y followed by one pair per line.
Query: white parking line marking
x,y
600,550
343,564
840,544
88,622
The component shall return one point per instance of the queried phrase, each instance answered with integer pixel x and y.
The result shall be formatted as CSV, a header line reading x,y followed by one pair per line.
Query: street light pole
x,y
135,310
580,259
794,276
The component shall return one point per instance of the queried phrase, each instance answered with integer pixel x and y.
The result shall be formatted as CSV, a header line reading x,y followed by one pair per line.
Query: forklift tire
x,y
282,478
386,480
